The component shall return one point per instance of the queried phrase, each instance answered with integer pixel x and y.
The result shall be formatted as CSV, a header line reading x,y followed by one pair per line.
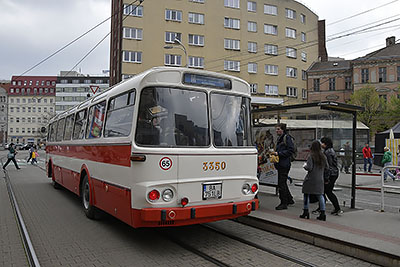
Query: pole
x,y
354,167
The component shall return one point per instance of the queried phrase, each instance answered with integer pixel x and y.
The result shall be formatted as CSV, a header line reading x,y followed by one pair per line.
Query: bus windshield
x,y
230,120
171,117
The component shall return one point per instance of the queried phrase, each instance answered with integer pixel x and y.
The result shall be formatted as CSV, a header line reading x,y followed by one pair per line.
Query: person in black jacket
x,y
284,149
332,172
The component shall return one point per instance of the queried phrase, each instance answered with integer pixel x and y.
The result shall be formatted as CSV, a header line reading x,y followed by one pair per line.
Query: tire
x,y
89,209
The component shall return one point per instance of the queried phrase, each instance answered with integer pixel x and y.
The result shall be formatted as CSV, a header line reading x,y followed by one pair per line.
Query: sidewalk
x,y
369,235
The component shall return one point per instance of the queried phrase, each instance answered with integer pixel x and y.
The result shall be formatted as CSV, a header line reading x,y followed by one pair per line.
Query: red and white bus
x,y
168,147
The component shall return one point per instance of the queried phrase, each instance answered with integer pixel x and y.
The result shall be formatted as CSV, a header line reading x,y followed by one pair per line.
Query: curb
x,y
361,252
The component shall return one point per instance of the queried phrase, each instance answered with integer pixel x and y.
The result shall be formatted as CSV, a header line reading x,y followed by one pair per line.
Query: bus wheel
x,y
88,208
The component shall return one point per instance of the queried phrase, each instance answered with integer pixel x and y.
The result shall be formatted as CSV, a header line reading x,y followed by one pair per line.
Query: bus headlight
x,y
167,195
246,189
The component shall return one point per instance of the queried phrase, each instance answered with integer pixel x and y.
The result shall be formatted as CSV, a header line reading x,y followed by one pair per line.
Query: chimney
x,y
322,54
390,41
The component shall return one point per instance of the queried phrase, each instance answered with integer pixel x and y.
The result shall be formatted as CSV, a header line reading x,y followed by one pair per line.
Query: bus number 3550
x,y
211,165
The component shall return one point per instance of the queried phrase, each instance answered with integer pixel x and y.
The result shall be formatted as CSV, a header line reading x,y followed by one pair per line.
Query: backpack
x,y
294,154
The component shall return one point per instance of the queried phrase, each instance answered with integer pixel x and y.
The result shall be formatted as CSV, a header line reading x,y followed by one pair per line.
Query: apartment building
x,y
268,43
4,85
73,88
31,103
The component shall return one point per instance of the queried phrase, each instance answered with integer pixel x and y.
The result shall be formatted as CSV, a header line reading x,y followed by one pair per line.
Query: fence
x,y
384,186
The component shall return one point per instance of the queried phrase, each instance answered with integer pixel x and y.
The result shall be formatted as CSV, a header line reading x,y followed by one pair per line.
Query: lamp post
x,y
180,46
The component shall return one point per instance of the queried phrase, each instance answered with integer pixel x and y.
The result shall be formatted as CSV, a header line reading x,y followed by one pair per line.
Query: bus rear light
x,y
153,195
246,189
254,188
167,195
184,201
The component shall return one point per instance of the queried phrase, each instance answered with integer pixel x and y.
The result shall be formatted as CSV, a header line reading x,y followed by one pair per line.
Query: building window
x,y
132,10
270,29
173,15
270,49
290,13
231,44
197,1
133,33
270,10
364,75
291,91
303,37
271,89
291,52
291,72
132,56
197,40
304,56
271,69
398,73
303,75
196,18
171,36
316,85
253,88
332,84
196,62
173,60
251,6
291,33
252,26
252,47
232,23
304,93
303,18
347,83
252,67
382,75
232,3
232,65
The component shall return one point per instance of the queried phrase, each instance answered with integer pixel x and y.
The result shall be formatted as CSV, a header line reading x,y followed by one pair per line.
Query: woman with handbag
x,y
11,157
314,181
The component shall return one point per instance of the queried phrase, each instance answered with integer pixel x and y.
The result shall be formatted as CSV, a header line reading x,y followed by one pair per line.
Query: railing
x,y
384,186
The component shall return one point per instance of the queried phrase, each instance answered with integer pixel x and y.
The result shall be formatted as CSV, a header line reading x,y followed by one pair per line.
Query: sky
x,y
32,30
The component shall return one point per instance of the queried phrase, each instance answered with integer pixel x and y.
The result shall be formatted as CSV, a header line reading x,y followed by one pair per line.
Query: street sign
x,y
94,88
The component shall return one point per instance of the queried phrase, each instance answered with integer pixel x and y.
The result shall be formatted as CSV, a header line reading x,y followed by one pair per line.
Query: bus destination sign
x,y
207,81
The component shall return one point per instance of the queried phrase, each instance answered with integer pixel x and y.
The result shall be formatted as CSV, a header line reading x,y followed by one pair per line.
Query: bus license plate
x,y
212,191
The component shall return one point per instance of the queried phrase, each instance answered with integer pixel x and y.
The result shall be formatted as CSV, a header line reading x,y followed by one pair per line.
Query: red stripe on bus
x,y
111,154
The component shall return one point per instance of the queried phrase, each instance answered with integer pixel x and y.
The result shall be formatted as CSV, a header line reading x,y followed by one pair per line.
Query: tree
x,y
392,113
374,106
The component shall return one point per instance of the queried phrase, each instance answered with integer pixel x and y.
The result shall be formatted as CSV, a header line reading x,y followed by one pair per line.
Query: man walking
x,y
367,154
284,149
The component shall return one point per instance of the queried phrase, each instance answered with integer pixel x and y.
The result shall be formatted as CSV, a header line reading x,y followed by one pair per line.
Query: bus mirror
x,y
43,130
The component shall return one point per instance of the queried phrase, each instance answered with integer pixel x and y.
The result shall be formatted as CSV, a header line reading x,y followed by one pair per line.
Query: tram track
x,y
26,241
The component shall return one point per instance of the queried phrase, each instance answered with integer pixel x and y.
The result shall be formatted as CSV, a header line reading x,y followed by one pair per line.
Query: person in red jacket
x,y
367,154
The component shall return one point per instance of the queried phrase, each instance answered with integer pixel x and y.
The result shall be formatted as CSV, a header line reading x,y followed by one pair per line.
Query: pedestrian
x,y
11,156
34,157
387,161
331,172
31,149
398,162
284,149
342,159
367,154
347,157
315,180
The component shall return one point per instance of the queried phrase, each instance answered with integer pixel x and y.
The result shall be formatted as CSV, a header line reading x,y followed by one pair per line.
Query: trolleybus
x,y
167,147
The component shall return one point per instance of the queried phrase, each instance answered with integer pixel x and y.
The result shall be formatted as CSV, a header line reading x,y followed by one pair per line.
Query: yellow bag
x,y
274,159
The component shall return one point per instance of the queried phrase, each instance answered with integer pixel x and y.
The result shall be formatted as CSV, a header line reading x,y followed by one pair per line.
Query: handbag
x,y
10,155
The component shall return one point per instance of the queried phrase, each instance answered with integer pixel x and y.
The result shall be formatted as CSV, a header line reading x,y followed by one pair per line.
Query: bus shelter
x,y
306,123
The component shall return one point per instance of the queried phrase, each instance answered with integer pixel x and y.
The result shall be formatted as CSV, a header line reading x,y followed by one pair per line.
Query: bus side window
x,y
95,120
69,123
60,129
120,115
79,125
53,132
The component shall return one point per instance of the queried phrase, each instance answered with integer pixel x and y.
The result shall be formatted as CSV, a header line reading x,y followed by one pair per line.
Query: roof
x,y
266,100
317,124
396,129
388,52
330,66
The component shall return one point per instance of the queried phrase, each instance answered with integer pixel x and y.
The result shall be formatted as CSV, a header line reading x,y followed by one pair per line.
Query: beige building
x,y
268,43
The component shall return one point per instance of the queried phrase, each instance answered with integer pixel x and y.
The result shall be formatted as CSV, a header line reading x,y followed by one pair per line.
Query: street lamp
x,y
181,46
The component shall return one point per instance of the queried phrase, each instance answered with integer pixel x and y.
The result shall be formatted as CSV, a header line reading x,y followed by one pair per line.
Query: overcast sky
x,y
31,30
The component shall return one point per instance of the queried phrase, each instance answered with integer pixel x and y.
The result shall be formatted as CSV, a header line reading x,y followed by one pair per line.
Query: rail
x,y
385,186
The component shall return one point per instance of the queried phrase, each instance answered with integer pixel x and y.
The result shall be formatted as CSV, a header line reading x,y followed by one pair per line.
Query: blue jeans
x,y
367,161
320,198
387,171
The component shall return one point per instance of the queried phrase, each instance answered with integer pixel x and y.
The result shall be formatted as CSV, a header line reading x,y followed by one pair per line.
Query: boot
x,y
305,215
322,216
